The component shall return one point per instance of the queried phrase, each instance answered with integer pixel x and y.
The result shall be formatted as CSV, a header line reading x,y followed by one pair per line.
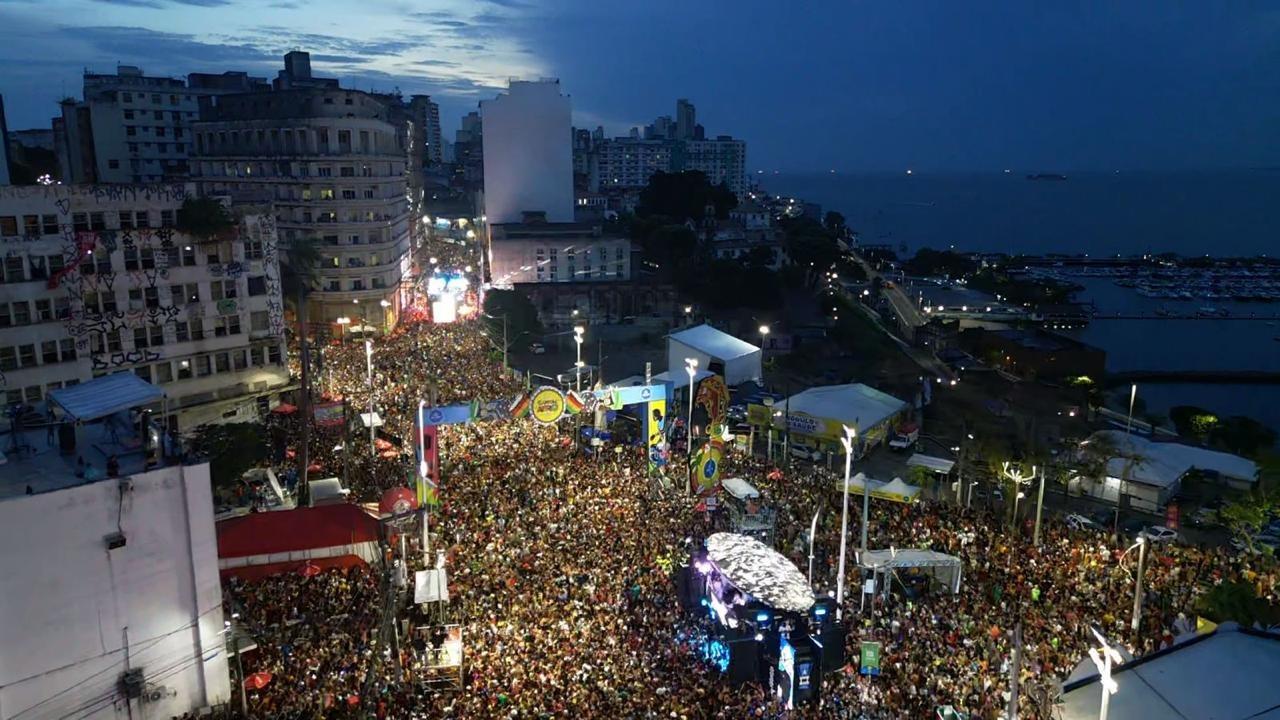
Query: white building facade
x,y
334,165
79,613
628,163
96,280
528,155
557,253
723,160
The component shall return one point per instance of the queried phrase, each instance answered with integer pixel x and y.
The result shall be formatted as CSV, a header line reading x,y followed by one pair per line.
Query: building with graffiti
x,y
333,162
96,280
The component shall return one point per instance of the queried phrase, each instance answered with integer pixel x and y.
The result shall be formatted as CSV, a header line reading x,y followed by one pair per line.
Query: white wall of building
x,y
591,259
528,153
75,614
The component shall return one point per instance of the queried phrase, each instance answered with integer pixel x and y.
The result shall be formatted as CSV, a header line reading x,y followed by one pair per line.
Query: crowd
x,y
560,572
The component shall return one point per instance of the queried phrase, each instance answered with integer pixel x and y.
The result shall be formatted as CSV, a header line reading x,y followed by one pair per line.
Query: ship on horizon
x,y
1046,176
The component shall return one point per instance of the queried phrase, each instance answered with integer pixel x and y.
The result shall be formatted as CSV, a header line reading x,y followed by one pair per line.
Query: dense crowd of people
x,y
561,580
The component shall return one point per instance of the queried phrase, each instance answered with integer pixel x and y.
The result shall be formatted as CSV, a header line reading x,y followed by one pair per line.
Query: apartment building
x,y
334,164
97,280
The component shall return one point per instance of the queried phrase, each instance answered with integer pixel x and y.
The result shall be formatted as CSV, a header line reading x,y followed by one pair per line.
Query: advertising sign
x,y
870,658
547,404
328,414
1172,516
656,431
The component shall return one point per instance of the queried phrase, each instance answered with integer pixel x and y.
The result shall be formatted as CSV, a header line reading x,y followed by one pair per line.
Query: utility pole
x,y
303,458
1015,672
1137,590
1039,508
505,344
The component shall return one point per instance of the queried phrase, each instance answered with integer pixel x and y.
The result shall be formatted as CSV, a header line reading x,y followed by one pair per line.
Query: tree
x,y
684,196
297,274
810,246
670,244
1236,601
929,262
232,449
205,219
834,223
1246,516
521,316
1242,435
1192,421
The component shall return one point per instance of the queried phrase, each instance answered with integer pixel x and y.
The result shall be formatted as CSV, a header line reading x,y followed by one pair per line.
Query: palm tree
x,y
297,277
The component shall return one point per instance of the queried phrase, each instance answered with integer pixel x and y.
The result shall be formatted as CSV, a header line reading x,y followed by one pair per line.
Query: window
x,y
151,296
113,341
167,218
273,354
62,307
21,313
160,130
34,394
369,192
227,325
49,352
113,164
164,373
131,258
348,194
8,225
252,249
155,98
44,311
184,369
14,270
130,130
148,258
257,285
259,321
324,171
238,360
143,371
68,347
140,337
135,298
126,97
222,289
157,114
188,256
6,320
155,335
202,366
222,362
197,329
38,271
173,100
326,193
256,356
49,224
346,171
142,218
27,355
8,358
80,222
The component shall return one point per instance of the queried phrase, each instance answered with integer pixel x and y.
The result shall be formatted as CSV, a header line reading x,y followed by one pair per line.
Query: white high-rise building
x,y
528,155
96,280
723,160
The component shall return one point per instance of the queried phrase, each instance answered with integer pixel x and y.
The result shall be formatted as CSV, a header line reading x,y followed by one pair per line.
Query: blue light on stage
x,y
715,652
820,611
762,617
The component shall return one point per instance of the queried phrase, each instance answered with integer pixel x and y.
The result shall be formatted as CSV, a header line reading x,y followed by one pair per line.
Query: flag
x,y
520,408
427,491
572,404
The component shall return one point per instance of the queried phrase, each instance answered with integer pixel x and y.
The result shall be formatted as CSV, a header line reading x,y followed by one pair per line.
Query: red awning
x,y
293,530
285,409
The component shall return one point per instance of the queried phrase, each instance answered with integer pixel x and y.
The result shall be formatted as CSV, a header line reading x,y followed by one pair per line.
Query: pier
x,y
1225,377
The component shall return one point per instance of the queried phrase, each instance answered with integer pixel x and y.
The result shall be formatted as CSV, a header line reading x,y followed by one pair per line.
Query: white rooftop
x,y
714,342
1229,674
1161,464
853,404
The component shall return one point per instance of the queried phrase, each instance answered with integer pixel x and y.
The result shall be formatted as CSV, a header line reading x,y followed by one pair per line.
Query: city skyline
x,y
938,88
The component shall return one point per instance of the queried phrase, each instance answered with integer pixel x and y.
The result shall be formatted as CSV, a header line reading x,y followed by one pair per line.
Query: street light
x,y
1103,658
850,434
577,370
691,367
764,334
688,314
368,356
1137,589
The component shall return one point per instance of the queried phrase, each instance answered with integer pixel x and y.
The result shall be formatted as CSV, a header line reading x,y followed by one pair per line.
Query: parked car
x,y
805,452
1161,534
1076,521
737,413
537,348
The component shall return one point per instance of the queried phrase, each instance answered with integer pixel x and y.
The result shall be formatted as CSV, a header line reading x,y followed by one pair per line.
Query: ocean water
x,y
1214,212
1220,213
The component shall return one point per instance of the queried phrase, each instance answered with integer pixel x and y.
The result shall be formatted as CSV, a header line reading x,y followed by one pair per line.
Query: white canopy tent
x,y
939,465
742,360
945,568
740,488
105,396
328,491
895,490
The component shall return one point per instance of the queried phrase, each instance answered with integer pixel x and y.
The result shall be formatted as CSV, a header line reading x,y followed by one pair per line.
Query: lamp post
x,y
368,358
1103,658
1019,479
1137,589
813,531
688,314
764,334
1133,396
384,304
1039,510
691,367
343,322
578,330
847,442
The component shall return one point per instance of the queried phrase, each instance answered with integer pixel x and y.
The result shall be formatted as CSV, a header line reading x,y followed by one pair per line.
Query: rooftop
x,y
1162,463
41,466
1228,674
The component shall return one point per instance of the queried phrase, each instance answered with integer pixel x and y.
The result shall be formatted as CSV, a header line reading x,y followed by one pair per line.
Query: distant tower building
x,y
685,120
528,158
4,146
297,74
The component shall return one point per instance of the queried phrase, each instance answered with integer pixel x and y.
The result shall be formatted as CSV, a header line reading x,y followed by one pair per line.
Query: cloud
x,y
178,51
133,3
509,4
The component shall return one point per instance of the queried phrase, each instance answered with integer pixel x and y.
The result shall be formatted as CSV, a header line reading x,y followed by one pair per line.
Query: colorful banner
x,y
656,431
550,398
328,414
547,405
870,658
713,396
707,477
427,480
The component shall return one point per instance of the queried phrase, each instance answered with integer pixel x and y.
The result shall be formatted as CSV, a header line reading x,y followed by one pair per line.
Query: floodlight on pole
x,y
690,367
577,370
847,441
